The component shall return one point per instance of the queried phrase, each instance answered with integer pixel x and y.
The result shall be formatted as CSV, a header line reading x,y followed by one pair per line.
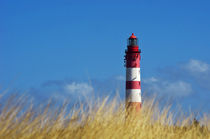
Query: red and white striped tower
x,y
133,81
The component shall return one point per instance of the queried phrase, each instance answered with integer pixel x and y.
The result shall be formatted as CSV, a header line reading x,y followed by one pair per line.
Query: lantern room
x,y
132,41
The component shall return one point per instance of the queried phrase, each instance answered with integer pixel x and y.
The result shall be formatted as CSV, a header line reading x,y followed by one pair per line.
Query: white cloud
x,y
120,78
197,66
161,87
82,88
150,80
179,88
199,72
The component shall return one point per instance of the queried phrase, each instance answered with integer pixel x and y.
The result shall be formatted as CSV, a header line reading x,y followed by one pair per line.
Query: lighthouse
x,y
133,80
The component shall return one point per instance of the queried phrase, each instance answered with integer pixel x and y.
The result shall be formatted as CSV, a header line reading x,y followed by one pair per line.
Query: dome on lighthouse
x,y
132,36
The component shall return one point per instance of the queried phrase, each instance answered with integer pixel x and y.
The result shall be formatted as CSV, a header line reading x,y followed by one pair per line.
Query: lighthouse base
x,y
133,106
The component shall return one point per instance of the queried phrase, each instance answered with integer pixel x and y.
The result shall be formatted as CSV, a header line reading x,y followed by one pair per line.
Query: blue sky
x,y
54,48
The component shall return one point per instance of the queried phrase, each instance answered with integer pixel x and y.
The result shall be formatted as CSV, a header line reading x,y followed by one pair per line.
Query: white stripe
x,y
133,95
133,74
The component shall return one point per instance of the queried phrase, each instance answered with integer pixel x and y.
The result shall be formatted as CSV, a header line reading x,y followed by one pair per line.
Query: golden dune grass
x,y
101,119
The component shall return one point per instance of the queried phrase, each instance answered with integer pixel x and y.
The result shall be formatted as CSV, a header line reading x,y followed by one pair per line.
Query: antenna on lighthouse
x,y
133,80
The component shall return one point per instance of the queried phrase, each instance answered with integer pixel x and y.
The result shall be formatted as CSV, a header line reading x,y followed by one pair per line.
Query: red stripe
x,y
133,60
133,49
133,84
